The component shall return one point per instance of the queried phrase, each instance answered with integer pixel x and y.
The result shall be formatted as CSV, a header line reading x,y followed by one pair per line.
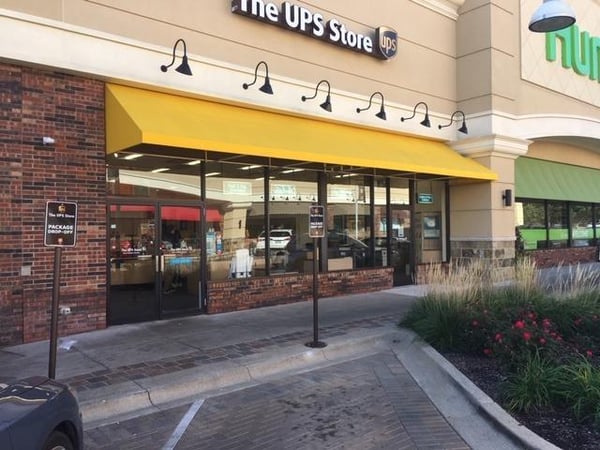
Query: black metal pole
x,y
54,312
315,342
315,292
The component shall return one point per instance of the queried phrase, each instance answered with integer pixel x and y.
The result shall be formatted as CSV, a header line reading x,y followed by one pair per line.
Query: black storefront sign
x,y
381,42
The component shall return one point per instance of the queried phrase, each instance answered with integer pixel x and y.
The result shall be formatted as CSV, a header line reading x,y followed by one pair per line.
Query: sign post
x,y
60,230
316,231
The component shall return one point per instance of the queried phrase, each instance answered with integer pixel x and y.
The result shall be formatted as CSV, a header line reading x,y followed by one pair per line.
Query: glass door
x,y
132,263
179,265
401,245
154,265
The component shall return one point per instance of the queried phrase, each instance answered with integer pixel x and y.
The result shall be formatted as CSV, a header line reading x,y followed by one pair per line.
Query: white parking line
x,y
183,424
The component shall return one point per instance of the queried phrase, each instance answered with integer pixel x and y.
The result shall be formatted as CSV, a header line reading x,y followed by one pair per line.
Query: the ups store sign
x,y
381,42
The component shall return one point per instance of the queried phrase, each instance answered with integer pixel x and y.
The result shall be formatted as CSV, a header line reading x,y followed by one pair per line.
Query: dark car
x,y
38,413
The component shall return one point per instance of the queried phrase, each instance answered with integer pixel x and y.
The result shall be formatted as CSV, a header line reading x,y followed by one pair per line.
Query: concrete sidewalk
x,y
126,369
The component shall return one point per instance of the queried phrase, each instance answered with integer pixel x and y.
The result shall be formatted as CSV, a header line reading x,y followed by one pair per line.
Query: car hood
x,y
19,398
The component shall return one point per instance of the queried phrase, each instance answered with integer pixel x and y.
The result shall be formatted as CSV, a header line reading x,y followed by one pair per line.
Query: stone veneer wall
x,y
503,254
36,103
500,253
237,295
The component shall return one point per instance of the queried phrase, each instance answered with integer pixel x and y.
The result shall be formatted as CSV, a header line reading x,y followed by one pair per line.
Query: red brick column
x,y
36,103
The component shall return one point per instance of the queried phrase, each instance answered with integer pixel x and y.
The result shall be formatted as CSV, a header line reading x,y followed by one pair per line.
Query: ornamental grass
x,y
544,335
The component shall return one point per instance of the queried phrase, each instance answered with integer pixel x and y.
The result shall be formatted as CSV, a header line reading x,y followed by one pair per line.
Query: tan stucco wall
x,y
564,153
488,52
213,31
547,81
478,57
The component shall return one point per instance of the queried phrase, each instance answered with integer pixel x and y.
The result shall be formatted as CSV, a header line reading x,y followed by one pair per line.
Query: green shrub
x,y
579,388
533,386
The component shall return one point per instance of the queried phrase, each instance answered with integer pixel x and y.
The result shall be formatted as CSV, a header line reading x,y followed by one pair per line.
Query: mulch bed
x,y
554,426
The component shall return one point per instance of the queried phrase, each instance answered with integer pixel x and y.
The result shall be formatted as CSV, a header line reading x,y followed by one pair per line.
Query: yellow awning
x,y
137,116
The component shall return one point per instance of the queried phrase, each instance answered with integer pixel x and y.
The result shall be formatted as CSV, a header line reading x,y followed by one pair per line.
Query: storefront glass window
x,y
402,239
380,225
553,224
532,225
292,191
582,229
348,221
558,224
430,213
234,216
152,177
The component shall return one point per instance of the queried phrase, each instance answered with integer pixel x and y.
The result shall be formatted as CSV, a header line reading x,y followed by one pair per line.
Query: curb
x,y
493,413
104,404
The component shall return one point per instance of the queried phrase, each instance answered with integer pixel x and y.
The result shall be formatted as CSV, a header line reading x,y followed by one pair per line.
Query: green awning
x,y
535,178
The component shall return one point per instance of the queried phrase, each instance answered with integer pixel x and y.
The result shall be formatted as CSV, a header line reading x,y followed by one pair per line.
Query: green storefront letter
x,y
579,51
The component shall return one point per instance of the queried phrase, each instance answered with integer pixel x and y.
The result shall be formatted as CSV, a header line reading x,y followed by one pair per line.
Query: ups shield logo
x,y
387,42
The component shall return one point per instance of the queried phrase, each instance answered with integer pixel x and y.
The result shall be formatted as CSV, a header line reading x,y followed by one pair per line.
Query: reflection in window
x,y
554,224
558,221
349,221
430,240
533,224
234,215
178,183
582,230
292,191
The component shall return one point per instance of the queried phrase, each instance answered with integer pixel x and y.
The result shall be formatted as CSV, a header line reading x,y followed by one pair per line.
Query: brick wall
x,y
237,295
33,104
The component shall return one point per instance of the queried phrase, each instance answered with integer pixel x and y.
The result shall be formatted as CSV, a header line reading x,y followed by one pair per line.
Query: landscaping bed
x,y
559,428
533,349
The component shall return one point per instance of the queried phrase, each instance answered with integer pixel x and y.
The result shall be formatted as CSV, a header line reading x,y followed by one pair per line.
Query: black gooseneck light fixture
x,y
326,105
266,88
425,122
381,113
463,127
552,15
184,67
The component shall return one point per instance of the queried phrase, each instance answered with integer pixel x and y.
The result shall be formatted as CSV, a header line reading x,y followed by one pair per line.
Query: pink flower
x,y
542,341
589,353
546,323
487,351
498,337
519,324
475,324
531,316
526,335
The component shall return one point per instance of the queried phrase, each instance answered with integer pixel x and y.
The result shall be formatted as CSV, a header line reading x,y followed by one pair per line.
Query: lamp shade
x,y
184,67
266,88
326,105
552,15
